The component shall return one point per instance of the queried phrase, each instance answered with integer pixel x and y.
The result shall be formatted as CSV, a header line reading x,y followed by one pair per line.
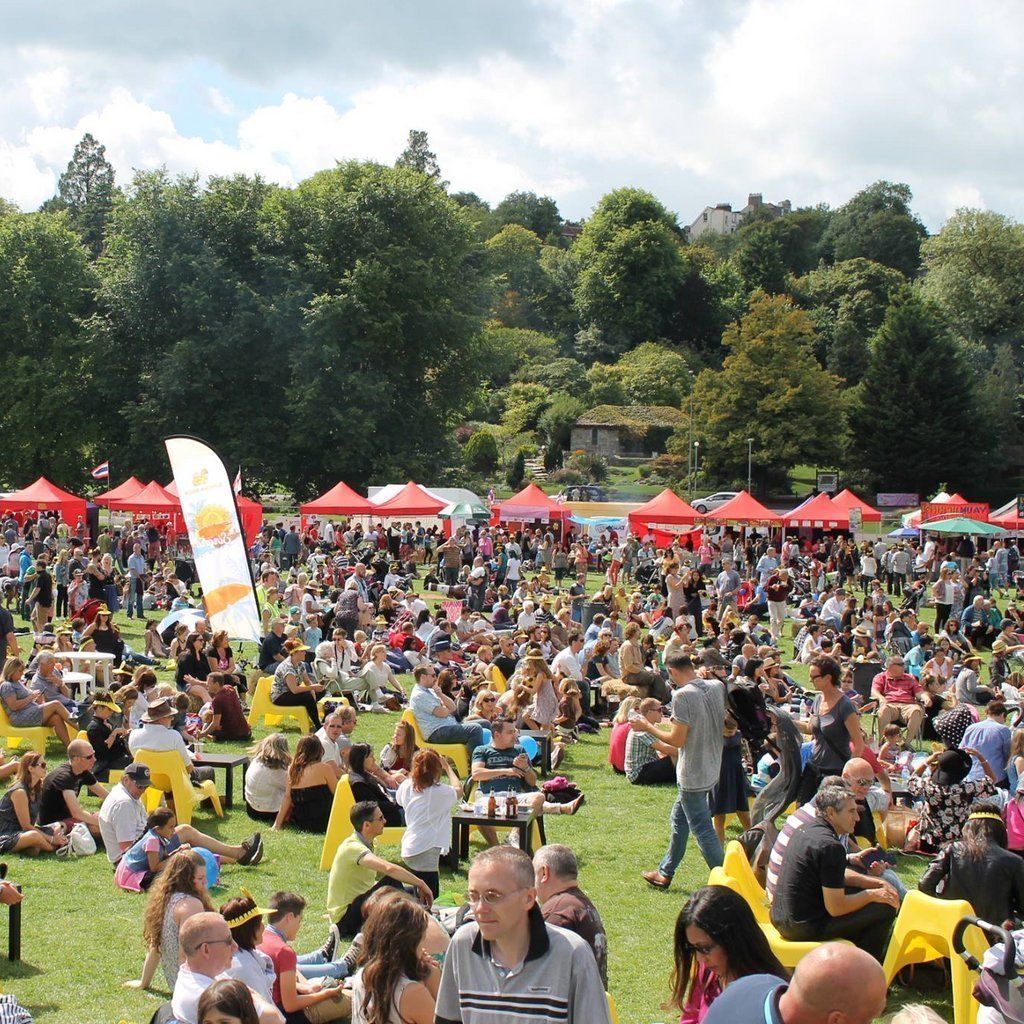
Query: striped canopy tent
x,y
846,500
128,489
44,496
818,511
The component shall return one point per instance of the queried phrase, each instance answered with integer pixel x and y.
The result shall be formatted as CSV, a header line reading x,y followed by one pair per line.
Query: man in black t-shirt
x,y
59,802
811,902
506,659
272,651
8,638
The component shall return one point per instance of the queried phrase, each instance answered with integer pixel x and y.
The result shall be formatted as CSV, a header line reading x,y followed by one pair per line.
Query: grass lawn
x,y
82,936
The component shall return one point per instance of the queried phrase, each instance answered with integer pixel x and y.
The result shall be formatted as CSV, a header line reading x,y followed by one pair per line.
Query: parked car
x,y
713,501
584,492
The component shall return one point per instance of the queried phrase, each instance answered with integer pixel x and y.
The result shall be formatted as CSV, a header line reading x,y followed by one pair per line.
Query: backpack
x,y
747,707
1013,815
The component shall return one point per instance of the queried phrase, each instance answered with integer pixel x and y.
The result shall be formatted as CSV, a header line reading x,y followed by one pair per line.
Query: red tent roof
x,y
411,500
152,498
820,510
846,500
743,509
1008,520
339,500
128,489
44,495
172,489
530,503
666,507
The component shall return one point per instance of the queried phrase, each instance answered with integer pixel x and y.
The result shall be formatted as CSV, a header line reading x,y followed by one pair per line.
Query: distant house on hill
x,y
724,220
625,431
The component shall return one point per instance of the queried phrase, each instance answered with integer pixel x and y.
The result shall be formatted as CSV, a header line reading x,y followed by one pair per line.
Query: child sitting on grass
x,y
893,748
143,861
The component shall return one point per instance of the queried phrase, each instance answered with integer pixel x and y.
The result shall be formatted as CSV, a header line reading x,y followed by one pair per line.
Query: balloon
x,y
487,735
212,865
529,744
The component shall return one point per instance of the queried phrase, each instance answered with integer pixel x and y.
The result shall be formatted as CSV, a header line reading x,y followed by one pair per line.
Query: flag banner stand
x,y
215,532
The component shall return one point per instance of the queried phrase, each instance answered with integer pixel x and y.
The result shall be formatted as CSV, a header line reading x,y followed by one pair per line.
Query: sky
x,y
699,101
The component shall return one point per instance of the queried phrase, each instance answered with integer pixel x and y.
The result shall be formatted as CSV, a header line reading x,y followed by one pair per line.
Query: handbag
x,y
80,842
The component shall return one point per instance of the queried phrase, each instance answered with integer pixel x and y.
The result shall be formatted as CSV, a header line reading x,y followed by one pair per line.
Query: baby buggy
x,y
999,989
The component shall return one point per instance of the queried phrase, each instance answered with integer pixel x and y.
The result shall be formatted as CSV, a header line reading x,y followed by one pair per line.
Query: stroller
x,y
999,989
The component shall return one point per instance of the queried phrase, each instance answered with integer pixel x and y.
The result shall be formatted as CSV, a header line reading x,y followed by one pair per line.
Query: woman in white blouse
x,y
428,804
266,778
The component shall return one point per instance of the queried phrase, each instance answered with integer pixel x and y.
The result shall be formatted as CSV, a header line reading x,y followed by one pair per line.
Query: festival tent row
x,y
45,496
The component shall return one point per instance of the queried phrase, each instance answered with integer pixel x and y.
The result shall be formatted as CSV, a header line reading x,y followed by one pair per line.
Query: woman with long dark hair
x,y
227,1000
398,982
980,869
365,779
717,941
309,791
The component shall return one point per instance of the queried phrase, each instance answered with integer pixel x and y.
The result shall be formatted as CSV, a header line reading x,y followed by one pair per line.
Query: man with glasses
x,y
435,713
208,946
900,698
507,964
355,871
696,731
59,801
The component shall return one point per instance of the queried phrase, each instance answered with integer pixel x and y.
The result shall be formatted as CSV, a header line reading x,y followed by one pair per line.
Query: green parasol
x,y
464,510
960,526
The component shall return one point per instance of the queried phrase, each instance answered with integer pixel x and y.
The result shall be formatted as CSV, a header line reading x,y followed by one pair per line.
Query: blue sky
x,y
701,102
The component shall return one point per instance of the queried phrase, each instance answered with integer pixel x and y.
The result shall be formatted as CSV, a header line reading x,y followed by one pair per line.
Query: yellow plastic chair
x,y
923,932
455,751
736,865
35,736
339,825
274,714
498,681
168,774
613,1012
343,701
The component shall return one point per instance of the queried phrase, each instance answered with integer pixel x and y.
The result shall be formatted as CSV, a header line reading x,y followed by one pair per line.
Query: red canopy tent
x,y
531,504
340,500
846,500
411,500
1009,521
666,508
744,509
153,500
45,496
128,489
819,511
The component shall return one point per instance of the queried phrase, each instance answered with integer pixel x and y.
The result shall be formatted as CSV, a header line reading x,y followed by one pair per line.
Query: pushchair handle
x,y
994,933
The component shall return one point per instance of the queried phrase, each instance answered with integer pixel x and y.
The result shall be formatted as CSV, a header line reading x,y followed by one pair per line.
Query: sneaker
x,y
258,855
329,948
250,848
378,709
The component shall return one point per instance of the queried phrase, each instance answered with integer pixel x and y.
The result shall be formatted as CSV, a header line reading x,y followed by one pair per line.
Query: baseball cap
x,y
138,773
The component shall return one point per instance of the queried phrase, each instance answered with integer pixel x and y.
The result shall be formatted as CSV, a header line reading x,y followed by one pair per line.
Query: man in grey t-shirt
x,y
698,719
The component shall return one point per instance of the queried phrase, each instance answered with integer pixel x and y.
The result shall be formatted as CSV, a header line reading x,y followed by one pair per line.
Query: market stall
x,y
44,496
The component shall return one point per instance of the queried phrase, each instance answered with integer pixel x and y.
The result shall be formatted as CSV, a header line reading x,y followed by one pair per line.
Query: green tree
x,y
910,434
759,259
620,209
86,191
537,213
566,375
501,351
628,288
847,302
877,223
46,296
418,156
1001,393
770,388
480,454
606,387
554,303
516,475
556,422
513,263
524,404
974,270
652,374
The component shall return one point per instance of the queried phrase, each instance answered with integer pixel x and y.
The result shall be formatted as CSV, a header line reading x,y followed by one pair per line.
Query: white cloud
x,y
699,102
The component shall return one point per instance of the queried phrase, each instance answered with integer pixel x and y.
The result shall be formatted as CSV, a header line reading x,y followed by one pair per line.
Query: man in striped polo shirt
x,y
509,965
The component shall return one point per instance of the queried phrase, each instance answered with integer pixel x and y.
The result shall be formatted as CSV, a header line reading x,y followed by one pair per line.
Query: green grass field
x,y
82,935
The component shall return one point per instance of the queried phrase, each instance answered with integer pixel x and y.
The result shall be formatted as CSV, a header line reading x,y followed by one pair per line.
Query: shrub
x,y
517,471
481,452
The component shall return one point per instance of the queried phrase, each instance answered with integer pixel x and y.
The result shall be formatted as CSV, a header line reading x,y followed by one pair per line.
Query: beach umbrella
x,y
963,527
904,531
190,616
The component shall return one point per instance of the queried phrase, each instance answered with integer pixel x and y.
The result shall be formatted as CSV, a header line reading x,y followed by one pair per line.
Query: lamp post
x,y
696,466
750,455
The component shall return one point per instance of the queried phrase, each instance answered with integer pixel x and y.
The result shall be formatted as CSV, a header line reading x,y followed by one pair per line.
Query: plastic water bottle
x,y
905,775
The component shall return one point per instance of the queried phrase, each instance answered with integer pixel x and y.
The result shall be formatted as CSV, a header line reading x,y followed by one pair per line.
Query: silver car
x,y
713,501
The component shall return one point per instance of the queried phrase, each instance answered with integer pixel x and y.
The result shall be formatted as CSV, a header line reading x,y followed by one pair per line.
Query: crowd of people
x,y
685,659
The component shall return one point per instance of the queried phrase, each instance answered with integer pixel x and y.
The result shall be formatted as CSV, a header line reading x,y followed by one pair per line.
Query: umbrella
x,y
190,616
962,527
464,510
904,531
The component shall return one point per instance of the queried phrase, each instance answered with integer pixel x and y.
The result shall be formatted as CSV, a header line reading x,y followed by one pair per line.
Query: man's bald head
x,y
857,768
79,748
835,984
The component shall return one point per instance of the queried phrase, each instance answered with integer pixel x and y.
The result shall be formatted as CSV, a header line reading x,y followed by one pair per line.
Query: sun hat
x,y
162,708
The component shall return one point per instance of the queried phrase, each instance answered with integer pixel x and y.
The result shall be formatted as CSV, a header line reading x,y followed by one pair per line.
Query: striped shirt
x,y
557,983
